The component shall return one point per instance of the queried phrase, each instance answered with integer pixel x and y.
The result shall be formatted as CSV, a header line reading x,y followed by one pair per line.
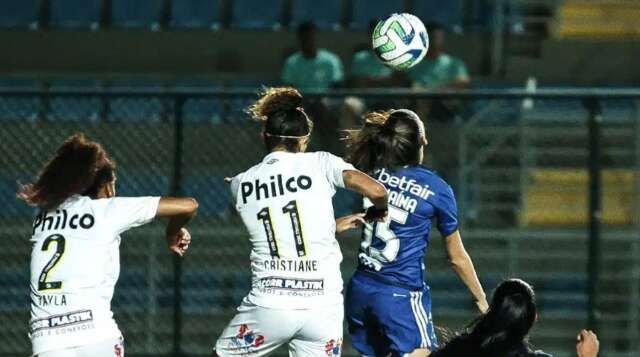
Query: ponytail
x,y
388,139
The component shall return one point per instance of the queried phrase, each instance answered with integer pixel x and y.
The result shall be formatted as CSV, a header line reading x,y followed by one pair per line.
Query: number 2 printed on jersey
x,y
60,244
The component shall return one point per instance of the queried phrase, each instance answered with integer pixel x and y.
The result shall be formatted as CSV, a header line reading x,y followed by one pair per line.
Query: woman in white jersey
x,y
285,203
75,256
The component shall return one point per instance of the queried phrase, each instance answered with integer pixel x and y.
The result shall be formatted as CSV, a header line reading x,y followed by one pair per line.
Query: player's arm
x,y
368,187
463,266
179,210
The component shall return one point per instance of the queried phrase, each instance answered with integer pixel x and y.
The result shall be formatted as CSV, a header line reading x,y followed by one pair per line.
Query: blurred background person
x,y
313,68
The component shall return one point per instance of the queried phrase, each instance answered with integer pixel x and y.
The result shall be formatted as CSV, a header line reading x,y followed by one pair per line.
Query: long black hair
x,y
388,139
502,331
284,120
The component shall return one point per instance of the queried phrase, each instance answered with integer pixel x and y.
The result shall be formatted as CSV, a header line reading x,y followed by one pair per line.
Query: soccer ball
x,y
400,41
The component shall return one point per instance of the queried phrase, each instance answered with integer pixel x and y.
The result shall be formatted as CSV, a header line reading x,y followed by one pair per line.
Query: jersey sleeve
x,y
124,213
234,185
332,168
447,212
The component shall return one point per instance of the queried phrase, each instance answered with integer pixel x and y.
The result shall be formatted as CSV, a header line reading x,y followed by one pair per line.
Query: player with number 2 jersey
x,y
75,258
285,203
388,302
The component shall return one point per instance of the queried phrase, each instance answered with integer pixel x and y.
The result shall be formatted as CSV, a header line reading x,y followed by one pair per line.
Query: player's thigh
x,y
406,320
256,331
108,348
366,334
320,334
66,352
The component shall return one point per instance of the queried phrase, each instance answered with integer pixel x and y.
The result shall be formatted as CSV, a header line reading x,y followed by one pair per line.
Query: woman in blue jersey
x,y
388,303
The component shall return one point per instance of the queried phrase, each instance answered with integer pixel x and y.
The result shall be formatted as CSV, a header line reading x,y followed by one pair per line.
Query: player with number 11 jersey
x,y
285,203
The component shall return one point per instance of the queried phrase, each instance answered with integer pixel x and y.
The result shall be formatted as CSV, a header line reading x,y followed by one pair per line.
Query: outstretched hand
x,y
588,344
349,222
179,243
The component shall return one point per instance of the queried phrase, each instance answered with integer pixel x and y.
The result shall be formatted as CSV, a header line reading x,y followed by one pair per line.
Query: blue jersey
x,y
393,252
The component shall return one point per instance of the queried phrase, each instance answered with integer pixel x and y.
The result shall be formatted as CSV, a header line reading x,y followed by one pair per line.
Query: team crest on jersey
x,y
247,340
333,347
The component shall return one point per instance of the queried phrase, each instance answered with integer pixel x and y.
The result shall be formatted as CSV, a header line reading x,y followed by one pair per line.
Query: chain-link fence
x,y
520,171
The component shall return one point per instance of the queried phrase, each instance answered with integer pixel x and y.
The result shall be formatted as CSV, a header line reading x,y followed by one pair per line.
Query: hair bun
x,y
274,100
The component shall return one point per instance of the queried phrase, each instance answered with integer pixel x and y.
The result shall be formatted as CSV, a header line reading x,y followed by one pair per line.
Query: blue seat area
x,y
447,13
213,194
346,202
66,108
619,109
75,14
132,108
201,109
325,14
19,107
11,205
136,14
556,110
253,15
15,290
195,14
18,14
136,183
366,10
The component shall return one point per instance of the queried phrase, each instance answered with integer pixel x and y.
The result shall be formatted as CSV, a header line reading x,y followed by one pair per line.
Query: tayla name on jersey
x,y
393,251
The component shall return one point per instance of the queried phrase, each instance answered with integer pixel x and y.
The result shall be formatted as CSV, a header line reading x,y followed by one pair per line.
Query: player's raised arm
x,y
368,187
179,210
463,266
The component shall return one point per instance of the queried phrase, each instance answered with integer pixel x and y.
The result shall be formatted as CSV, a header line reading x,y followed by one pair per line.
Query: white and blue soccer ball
x,y
400,41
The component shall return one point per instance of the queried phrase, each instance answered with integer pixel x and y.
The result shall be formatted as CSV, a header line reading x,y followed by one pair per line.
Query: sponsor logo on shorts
x,y
71,318
333,347
273,282
247,340
118,350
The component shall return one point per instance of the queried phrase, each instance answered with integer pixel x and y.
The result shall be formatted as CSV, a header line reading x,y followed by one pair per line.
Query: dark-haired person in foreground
x,y
285,204
75,260
503,330
388,302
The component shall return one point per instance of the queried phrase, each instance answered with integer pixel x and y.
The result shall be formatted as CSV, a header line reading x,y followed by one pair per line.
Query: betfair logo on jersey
x,y
62,320
276,186
405,185
291,284
61,219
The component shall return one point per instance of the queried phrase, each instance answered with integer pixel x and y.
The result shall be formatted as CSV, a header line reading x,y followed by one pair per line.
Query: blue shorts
x,y
385,319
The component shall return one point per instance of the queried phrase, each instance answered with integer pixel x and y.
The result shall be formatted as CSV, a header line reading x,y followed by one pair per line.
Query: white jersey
x,y
285,203
75,263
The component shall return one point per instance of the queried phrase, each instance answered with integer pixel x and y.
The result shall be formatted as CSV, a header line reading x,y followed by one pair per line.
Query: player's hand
x,y
374,214
179,243
349,222
588,344
483,306
228,179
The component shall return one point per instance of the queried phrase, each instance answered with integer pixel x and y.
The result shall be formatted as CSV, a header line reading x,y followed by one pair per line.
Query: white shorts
x,y
108,348
258,331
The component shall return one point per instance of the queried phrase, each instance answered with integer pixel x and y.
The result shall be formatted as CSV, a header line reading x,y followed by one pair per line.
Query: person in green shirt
x,y
439,69
311,67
